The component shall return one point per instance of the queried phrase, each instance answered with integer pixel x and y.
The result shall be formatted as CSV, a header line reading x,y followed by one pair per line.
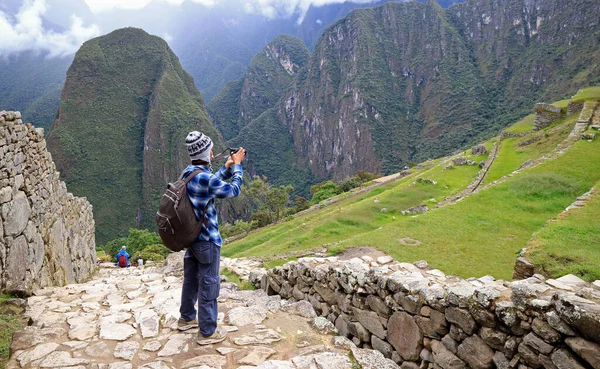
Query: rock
x,y
358,331
421,209
275,364
560,325
371,359
478,150
537,344
61,359
116,331
30,337
120,365
256,356
545,331
302,308
82,332
226,350
572,280
384,259
462,318
382,346
241,316
152,346
212,361
560,285
563,359
434,326
405,336
18,215
493,338
175,345
126,350
501,361
370,320
323,326
444,358
156,365
37,353
98,349
450,344
476,353
341,324
378,306
258,337
149,322
587,350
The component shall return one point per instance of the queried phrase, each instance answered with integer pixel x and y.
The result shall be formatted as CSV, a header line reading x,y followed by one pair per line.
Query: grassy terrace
x,y
579,231
483,233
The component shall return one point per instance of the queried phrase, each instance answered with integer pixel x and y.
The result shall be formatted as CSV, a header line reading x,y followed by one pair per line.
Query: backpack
x,y
122,261
177,224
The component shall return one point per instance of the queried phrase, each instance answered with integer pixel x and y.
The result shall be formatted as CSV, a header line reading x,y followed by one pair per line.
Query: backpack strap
x,y
203,219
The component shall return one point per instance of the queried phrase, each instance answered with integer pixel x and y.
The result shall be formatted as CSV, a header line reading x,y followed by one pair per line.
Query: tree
x,y
277,199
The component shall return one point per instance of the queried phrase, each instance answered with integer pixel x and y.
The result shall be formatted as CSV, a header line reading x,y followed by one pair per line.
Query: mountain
x,y
118,136
245,111
468,220
404,82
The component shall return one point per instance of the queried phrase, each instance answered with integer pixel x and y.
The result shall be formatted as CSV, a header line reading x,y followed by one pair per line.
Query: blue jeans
x,y
201,283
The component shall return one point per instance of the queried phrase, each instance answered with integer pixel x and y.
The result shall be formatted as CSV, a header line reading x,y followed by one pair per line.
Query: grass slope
x,y
482,234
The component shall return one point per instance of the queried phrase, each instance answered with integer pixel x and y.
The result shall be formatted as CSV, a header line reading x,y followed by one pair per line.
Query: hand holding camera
x,y
236,156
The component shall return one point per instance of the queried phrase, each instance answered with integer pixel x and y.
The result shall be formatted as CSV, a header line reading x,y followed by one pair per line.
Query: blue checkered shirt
x,y
207,186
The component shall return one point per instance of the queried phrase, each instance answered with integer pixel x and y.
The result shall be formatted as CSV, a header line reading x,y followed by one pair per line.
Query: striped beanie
x,y
199,146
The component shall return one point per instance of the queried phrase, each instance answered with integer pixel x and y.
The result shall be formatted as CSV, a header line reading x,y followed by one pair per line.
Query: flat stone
x,y
462,318
444,358
175,345
18,215
28,338
476,353
126,350
596,284
152,346
259,337
37,353
116,331
405,336
256,356
370,320
327,360
545,331
241,316
61,359
384,259
156,365
149,322
274,364
82,332
536,343
302,308
98,349
589,351
323,326
226,350
212,361
120,365
563,359
571,279
560,285
493,338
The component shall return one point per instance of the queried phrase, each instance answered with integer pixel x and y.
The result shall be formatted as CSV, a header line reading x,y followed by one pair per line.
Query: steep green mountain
x,y
404,82
118,136
469,220
244,111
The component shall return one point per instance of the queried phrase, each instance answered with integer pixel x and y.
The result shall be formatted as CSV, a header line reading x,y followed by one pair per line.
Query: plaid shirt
x,y
207,186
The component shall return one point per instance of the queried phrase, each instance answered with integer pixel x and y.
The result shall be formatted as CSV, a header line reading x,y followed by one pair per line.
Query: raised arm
x,y
220,189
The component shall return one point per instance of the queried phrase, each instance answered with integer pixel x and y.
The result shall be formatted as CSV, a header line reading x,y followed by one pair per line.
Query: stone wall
x,y
421,318
46,234
545,114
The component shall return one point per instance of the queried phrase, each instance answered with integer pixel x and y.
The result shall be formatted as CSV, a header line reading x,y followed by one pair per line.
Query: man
x,y
201,281
123,258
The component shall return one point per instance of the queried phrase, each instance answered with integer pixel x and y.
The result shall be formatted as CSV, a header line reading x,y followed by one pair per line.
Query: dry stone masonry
x,y
545,114
421,318
46,234
127,318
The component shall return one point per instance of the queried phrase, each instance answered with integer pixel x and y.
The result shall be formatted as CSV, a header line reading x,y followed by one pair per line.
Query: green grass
x,y
483,233
10,322
357,214
511,156
587,94
234,278
579,231
524,125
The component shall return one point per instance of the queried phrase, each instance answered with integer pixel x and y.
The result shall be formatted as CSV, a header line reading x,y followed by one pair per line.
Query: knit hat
x,y
199,146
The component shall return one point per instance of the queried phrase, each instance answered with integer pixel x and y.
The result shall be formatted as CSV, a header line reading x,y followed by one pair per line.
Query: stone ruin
x,y
546,114
421,318
46,233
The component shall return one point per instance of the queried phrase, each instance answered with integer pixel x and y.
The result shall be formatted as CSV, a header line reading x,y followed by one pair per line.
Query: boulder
x,y
587,350
444,358
478,150
476,353
405,336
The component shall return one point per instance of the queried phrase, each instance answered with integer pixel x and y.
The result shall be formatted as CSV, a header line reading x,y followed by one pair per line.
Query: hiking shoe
x,y
219,336
184,325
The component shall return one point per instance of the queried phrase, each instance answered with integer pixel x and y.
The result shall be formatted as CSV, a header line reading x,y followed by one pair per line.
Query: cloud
x,y
285,8
26,32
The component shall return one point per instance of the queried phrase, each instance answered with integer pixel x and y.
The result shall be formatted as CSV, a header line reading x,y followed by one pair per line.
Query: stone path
x,y
126,318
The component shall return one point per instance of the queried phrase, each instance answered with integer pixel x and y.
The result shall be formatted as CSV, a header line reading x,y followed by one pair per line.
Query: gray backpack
x,y
177,224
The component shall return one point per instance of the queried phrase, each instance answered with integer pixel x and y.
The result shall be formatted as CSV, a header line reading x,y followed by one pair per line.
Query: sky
x,y
29,29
